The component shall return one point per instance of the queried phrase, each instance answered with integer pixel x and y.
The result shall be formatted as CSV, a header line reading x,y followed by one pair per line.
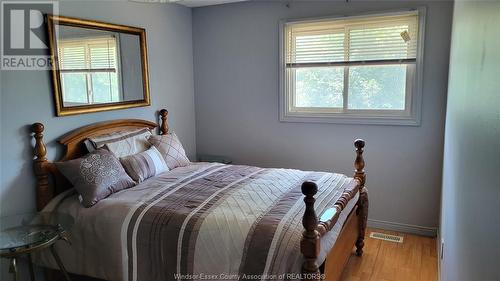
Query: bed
x,y
206,220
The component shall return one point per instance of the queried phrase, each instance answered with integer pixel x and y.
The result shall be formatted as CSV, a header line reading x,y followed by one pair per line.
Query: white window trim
x,y
412,117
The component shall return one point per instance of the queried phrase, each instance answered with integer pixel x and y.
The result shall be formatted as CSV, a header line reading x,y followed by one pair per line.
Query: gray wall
x,y
130,59
469,214
236,95
26,96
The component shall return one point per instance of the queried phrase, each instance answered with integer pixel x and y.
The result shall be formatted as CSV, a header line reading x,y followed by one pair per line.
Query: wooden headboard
x,y
49,181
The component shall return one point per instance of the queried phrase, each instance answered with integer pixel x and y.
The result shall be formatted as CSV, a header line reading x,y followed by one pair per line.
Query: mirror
x,y
97,66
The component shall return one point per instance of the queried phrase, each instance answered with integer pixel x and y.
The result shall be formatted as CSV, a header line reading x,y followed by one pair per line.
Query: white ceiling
x,y
200,3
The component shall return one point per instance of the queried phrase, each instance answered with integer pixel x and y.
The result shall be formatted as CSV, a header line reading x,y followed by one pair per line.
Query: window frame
x,y
411,116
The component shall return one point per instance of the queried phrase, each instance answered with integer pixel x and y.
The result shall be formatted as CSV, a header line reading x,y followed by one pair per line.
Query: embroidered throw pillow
x,y
171,149
144,165
95,176
123,143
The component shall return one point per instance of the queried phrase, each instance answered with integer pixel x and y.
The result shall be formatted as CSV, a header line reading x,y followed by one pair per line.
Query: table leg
x,y
59,263
30,264
13,268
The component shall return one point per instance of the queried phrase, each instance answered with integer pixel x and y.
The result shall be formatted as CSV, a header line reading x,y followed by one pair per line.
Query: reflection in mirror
x,y
90,65
98,66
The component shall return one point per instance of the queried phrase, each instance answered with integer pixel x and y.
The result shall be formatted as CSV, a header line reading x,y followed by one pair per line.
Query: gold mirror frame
x,y
61,110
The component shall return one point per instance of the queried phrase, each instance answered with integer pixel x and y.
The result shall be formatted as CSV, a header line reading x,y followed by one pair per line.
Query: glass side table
x,y
24,234
214,158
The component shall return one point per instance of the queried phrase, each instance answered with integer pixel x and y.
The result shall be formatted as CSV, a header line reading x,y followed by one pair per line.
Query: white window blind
x,y
352,41
88,55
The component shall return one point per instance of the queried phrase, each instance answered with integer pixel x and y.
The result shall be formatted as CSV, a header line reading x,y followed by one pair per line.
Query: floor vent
x,y
386,237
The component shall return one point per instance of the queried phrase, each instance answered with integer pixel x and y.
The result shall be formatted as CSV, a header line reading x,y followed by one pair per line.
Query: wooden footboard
x,y
342,250
353,230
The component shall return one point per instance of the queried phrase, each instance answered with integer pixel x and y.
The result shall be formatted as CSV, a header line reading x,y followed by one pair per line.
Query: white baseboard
x,y
401,227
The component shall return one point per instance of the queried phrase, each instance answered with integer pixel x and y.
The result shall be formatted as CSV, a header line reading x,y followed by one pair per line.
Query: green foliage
x,y
104,87
377,87
370,87
319,87
75,87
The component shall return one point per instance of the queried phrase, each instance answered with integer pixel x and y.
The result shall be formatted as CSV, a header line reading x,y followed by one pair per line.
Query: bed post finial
x,y
44,192
164,123
359,173
40,150
359,163
309,245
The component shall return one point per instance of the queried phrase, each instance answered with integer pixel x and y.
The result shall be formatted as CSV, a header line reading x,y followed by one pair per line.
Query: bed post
x,y
309,245
43,189
164,123
359,173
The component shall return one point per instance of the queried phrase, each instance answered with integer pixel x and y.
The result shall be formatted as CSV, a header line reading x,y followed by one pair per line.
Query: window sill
x,y
354,119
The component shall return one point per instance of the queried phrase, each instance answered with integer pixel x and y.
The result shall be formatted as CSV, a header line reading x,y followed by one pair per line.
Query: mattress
x,y
205,221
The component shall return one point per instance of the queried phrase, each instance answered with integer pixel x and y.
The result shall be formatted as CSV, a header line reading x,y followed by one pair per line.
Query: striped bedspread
x,y
215,222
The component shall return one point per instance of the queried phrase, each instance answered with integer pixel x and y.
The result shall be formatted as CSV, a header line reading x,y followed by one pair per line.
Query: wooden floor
x,y
413,260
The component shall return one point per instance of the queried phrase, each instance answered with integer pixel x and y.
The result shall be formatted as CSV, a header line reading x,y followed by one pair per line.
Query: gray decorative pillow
x,y
95,176
144,165
171,149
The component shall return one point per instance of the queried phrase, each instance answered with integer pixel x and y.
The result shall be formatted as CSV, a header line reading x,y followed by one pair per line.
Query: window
x,y
89,73
352,69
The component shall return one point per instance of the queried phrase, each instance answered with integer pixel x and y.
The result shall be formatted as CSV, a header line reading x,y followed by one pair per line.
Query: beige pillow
x,y
95,176
171,149
144,165
124,143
